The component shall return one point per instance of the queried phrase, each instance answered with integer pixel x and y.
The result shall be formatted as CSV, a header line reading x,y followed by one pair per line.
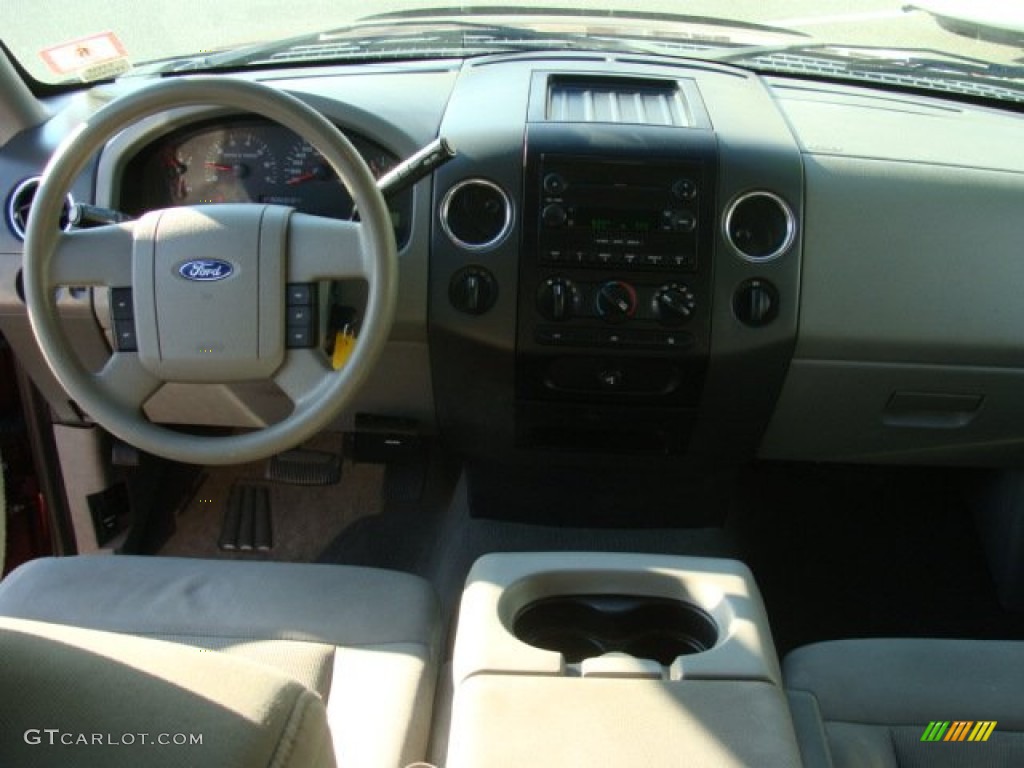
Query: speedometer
x,y
241,155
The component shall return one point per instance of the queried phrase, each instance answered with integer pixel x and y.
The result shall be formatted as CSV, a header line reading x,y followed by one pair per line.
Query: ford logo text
x,y
205,270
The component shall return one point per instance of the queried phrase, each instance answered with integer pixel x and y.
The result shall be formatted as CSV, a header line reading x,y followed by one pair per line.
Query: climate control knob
x,y
674,303
557,298
615,301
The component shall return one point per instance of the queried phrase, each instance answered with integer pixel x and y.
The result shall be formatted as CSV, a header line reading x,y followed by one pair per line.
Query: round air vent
x,y
760,226
476,214
20,203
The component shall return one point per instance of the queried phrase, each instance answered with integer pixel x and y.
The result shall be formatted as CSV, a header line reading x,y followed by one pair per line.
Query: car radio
x,y
616,257
626,216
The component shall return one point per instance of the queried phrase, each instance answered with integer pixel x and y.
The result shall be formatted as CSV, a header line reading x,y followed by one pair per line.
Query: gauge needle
x,y
219,167
308,176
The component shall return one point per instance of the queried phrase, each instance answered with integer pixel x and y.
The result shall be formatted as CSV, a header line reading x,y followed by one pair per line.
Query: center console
x,y
614,305
614,283
566,659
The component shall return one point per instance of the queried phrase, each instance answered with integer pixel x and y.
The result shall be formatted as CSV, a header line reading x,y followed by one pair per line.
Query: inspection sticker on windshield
x,y
96,57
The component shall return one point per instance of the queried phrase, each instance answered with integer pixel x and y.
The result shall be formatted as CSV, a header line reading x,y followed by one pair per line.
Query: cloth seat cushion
x,y
877,696
366,640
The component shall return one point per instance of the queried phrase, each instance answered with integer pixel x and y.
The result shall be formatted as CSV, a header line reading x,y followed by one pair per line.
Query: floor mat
x,y
303,517
861,551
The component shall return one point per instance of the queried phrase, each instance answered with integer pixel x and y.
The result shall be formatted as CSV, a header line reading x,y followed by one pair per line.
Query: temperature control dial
x,y
615,301
674,303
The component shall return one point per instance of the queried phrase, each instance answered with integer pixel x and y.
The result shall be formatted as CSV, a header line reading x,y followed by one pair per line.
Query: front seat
x,y
260,658
905,703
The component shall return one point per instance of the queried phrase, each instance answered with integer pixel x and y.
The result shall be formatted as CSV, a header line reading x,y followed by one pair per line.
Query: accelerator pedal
x,y
247,525
305,467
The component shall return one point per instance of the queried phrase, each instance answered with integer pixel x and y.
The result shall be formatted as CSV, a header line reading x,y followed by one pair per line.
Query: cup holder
x,y
583,626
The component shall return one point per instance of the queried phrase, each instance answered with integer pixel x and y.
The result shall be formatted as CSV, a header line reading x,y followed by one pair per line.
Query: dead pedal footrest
x,y
247,525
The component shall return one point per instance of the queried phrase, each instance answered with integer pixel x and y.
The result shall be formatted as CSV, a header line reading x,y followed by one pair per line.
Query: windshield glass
x,y
94,39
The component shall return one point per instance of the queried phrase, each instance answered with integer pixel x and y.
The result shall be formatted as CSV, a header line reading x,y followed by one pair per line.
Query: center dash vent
x,y
617,100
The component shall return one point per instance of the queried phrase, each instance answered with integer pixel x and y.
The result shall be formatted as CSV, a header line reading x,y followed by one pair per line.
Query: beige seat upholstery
x,y
365,640
875,698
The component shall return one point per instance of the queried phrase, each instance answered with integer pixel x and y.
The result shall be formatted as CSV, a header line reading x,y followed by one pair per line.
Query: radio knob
x,y
557,298
555,184
674,303
554,216
615,301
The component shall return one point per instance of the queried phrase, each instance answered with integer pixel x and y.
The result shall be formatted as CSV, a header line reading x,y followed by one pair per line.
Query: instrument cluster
x,y
247,160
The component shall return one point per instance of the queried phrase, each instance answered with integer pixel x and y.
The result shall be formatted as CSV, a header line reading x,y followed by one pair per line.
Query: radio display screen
x,y
611,221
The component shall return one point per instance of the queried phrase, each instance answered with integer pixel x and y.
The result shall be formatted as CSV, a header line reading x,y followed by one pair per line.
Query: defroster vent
x,y
617,100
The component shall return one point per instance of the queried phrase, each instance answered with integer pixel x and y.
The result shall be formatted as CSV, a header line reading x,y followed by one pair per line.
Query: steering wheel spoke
x,y
303,370
125,381
100,256
325,249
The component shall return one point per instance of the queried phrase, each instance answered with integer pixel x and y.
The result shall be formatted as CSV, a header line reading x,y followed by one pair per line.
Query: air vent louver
x,y
607,100
20,203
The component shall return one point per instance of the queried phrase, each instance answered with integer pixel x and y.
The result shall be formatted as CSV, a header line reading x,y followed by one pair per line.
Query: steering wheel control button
x,y
300,316
125,338
299,337
300,309
122,312
299,294
121,306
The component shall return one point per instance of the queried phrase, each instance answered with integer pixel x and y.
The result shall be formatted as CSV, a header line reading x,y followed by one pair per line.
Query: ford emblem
x,y
205,270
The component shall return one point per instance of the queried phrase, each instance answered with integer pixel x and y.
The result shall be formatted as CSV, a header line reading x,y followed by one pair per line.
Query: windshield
x,y
97,39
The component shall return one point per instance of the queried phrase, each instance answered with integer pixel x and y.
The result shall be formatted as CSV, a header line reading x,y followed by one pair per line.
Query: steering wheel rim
x,y
318,393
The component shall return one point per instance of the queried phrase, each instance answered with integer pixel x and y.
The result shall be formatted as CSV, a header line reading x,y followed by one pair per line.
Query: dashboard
x,y
630,261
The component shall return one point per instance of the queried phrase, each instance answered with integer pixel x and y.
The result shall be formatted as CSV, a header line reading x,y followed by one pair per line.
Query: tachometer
x,y
304,164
